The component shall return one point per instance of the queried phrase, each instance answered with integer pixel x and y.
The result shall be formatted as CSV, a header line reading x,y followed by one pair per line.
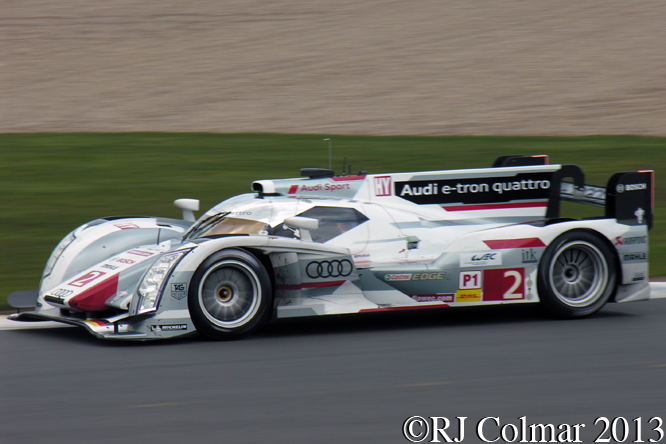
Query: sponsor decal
x,y
122,260
634,257
480,259
630,240
468,296
469,280
168,327
481,190
504,284
639,213
118,296
326,269
179,291
529,256
86,278
361,259
383,186
326,187
126,226
428,276
398,277
140,253
621,188
638,277
433,297
110,267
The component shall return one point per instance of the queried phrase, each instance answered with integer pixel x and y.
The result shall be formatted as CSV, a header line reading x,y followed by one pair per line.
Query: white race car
x,y
324,244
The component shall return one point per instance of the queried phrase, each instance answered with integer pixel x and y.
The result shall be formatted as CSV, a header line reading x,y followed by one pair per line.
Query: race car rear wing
x,y
627,197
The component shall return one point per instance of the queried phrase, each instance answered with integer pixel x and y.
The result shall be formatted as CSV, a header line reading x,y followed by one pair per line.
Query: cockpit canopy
x,y
267,218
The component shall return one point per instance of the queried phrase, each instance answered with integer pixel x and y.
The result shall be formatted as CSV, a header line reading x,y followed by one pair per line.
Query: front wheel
x,y
230,294
576,275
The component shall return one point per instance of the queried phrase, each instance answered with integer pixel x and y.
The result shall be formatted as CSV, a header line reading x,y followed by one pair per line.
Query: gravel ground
x,y
344,67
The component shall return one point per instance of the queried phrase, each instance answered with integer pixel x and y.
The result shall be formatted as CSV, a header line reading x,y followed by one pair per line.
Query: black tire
x,y
230,294
576,275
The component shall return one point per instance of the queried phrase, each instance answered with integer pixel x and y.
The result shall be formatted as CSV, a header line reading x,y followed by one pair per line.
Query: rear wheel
x,y
576,275
230,294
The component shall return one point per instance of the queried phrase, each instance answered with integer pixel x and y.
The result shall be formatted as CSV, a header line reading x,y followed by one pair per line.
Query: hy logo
x,y
383,186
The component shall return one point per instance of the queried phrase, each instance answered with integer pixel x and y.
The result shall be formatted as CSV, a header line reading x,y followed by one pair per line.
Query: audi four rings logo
x,y
326,269
61,292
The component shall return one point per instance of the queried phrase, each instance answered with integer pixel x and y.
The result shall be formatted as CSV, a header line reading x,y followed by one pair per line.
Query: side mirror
x,y
188,206
304,225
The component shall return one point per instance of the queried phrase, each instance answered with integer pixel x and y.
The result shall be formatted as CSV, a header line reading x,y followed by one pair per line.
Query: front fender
x,y
101,239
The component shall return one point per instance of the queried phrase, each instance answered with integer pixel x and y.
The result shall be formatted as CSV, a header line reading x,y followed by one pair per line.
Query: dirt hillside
x,y
334,67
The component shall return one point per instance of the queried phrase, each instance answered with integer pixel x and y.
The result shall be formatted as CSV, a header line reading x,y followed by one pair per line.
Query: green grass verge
x,y
52,183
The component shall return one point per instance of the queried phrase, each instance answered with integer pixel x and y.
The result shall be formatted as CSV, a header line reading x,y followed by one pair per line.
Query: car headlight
x,y
151,285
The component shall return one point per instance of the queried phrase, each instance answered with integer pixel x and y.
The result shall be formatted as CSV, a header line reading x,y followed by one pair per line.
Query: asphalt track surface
x,y
339,379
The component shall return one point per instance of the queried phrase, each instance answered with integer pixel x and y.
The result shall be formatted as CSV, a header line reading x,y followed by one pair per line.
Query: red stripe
x,y
293,189
345,178
652,184
501,206
93,299
408,307
502,244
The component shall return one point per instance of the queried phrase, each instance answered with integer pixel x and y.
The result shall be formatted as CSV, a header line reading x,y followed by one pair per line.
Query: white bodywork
x,y
403,240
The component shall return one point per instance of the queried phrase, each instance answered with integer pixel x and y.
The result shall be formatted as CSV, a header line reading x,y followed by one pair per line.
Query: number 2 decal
x,y
504,284
517,283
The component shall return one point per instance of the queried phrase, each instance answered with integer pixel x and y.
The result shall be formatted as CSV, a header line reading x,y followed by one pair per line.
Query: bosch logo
x,y
326,269
621,188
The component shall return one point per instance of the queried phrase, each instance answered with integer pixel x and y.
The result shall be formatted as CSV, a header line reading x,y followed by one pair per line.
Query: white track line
x,y
657,291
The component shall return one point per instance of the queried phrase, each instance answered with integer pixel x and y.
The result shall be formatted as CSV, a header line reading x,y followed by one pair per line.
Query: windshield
x,y
221,224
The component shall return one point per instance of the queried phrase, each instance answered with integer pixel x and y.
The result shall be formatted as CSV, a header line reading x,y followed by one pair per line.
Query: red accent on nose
x,y
93,299
293,189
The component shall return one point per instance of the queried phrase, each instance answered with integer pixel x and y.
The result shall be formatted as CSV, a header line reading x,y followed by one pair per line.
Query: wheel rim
x,y
229,294
578,274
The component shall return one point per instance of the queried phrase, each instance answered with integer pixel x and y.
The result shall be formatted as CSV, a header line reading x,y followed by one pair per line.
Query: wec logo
x,y
485,257
481,258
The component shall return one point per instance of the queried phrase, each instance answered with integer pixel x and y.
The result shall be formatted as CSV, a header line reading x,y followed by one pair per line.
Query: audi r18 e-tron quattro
x,y
322,244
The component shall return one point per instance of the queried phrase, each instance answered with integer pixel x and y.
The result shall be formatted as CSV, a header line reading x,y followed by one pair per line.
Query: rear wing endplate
x,y
628,197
